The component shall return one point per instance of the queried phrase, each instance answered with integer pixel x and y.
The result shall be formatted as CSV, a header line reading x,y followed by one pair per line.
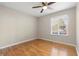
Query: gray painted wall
x,y
77,27
44,27
16,26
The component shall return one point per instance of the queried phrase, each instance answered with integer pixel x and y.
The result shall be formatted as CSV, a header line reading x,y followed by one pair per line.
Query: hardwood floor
x,y
39,47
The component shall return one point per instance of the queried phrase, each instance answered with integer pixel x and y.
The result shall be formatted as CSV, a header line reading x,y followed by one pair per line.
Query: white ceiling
x,y
26,7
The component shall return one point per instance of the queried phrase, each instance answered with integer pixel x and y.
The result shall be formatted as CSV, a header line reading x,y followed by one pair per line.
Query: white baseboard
x,y
17,43
77,51
34,39
58,42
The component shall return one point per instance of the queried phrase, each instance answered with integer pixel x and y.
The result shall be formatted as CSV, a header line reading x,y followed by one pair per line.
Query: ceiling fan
x,y
44,6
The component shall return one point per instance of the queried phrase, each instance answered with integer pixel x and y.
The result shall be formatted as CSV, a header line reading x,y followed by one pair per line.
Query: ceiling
x,y
26,7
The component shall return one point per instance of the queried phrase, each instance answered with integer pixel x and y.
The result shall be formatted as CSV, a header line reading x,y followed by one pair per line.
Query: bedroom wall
x,y
16,26
77,27
44,27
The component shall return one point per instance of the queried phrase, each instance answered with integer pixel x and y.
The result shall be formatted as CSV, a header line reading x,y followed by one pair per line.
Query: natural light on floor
x,y
59,52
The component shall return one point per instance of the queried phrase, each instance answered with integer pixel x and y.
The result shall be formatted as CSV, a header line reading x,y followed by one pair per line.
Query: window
x,y
59,25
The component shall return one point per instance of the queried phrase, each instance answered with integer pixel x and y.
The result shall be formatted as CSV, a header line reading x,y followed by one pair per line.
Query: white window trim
x,y
58,31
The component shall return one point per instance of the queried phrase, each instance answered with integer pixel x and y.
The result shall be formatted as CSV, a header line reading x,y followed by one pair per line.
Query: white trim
x,y
34,39
17,43
77,51
58,42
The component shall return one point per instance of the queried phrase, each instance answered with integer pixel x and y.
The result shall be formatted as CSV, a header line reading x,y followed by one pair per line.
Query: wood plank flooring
x,y
39,47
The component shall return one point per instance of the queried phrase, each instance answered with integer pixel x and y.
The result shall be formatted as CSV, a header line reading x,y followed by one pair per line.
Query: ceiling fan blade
x,y
43,4
41,10
36,6
51,3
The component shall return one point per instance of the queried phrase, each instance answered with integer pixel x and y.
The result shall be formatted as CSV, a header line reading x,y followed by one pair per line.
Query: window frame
x,y
67,25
